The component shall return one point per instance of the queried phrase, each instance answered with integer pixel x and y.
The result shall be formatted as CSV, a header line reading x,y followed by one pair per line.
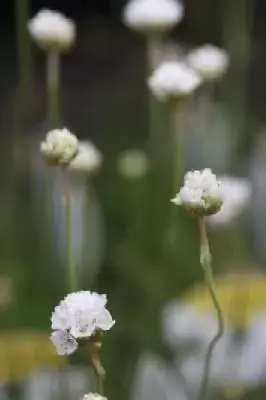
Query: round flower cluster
x,y
209,61
236,197
173,80
87,160
60,146
93,396
133,164
79,316
51,30
201,193
153,16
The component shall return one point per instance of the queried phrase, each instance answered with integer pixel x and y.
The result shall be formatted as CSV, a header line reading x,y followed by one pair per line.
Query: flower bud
x,y
51,30
60,147
201,194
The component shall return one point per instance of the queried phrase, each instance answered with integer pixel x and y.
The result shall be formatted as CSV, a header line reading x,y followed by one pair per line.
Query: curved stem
x,y
72,281
53,88
95,346
205,259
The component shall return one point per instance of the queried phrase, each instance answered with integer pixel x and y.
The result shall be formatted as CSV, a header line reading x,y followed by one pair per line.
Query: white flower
x,y
64,342
133,164
81,315
209,61
52,30
60,146
153,16
88,159
201,193
236,193
184,324
173,80
93,396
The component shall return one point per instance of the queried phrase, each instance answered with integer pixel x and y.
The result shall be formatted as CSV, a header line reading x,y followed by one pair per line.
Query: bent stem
x,y
205,260
94,347
72,281
53,88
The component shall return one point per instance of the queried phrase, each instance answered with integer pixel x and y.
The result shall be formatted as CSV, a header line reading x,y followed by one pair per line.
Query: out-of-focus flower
x,y
133,164
79,315
173,81
65,343
51,30
60,146
88,159
153,16
183,323
209,61
236,193
201,193
93,396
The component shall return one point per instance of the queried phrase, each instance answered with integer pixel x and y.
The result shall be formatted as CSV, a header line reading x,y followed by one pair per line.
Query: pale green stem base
x,y
205,260
72,279
95,347
53,88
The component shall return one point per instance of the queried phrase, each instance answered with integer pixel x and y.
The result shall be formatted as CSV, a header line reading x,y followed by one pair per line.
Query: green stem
x,y
72,279
24,51
175,139
205,260
53,88
95,346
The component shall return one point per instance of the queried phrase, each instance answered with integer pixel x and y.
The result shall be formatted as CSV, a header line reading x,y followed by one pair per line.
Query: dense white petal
x,y
65,343
173,80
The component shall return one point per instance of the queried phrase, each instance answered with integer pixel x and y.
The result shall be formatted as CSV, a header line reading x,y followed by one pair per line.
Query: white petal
x,y
104,321
82,325
65,343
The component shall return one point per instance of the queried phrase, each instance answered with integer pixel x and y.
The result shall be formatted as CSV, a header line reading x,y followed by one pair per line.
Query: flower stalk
x,y
205,260
72,279
95,346
53,88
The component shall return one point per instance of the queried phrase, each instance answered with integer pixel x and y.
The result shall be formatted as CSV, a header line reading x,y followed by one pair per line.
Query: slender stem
x,y
72,279
53,88
24,50
175,140
205,260
95,346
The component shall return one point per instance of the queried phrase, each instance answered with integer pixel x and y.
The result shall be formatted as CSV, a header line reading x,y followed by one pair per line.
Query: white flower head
x,y
236,194
65,343
209,61
133,164
80,315
173,80
153,16
88,159
52,30
93,396
201,193
60,146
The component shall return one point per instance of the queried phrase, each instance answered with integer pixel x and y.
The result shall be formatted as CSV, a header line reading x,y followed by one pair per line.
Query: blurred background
x,y
120,215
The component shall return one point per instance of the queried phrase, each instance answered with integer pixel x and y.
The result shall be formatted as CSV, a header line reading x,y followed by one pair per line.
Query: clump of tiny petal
x,y
236,194
64,343
51,30
79,315
201,193
209,61
133,164
60,146
153,16
93,396
88,159
173,80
